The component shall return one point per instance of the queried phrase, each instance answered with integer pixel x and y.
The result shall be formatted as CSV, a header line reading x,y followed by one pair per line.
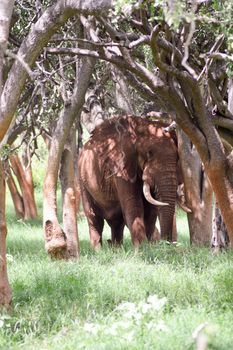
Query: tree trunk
x,y
5,290
198,192
26,158
15,195
47,139
220,237
174,229
6,8
93,114
223,188
67,178
55,237
26,188
122,93
78,149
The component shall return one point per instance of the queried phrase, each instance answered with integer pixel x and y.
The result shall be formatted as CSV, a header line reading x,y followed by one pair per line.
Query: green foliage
x,y
39,164
5,152
153,298
120,4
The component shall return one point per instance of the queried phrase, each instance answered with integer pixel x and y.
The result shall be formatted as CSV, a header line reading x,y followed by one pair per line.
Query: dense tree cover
x,y
175,55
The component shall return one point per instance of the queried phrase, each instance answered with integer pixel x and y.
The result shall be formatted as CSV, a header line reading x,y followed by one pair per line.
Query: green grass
x,y
153,298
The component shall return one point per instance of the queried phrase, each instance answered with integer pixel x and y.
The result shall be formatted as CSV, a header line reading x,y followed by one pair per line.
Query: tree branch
x,y
50,21
223,122
163,66
217,98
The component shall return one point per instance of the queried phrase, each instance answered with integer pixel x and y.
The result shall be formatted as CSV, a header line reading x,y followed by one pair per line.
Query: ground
x,y
154,298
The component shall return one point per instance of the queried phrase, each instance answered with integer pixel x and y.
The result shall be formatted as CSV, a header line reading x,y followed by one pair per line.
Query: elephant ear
x,y
121,159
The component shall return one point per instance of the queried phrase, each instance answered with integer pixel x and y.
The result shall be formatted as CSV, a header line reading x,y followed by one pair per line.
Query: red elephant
x,y
128,175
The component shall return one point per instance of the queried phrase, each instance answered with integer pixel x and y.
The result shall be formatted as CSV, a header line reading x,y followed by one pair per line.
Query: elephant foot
x,y
138,233
114,244
96,241
155,237
110,243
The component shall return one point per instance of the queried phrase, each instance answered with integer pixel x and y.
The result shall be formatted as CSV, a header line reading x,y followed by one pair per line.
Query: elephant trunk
x,y
167,192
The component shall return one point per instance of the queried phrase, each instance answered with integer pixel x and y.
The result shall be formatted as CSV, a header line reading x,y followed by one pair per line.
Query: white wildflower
x,y
156,303
91,328
144,307
129,310
112,330
9,258
117,327
126,306
161,327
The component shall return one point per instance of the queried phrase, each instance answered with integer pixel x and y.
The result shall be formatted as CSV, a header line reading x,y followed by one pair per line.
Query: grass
x,y
153,298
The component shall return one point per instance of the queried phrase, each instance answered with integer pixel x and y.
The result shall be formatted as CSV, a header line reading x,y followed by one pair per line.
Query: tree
x,y
185,75
47,24
55,237
24,177
6,8
198,192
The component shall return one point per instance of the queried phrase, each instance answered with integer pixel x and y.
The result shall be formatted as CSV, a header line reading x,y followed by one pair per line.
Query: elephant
x,y
128,176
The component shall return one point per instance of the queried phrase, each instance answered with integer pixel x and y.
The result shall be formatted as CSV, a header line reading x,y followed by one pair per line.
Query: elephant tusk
x,y
149,198
184,207
180,202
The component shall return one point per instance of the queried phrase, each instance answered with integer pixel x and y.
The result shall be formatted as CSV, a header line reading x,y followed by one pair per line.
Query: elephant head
x,y
157,159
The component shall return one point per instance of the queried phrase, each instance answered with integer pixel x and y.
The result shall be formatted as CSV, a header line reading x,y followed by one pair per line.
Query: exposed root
x,y
55,245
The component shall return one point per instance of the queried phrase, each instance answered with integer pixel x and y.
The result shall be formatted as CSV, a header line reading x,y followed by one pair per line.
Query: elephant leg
x,y
96,225
117,228
94,219
132,208
150,217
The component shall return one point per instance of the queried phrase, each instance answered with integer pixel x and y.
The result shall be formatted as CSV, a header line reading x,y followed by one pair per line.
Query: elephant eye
x,y
150,154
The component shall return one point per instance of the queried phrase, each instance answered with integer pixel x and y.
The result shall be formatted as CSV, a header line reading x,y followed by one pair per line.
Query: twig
x,y
22,62
220,56
187,43
215,47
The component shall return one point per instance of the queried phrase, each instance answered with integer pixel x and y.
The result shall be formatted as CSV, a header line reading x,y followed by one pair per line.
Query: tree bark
x,y
5,290
15,195
122,93
67,178
93,114
30,210
27,167
55,237
198,192
6,9
220,237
